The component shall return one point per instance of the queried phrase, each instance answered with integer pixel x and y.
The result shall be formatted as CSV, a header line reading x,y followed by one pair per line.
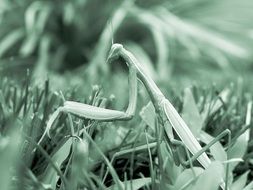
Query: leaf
x,y
136,184
108,163
186,178
148,115
69,13
240,182
211,178
108,138
9,41
50,176
249,186
158,31
215,104
36,16
29,44
105,39
204,36
169,167
9,150
40,70
190,113
239,148
80,163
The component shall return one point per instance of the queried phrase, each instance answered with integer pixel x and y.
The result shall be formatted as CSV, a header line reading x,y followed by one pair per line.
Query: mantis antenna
x,y
111,27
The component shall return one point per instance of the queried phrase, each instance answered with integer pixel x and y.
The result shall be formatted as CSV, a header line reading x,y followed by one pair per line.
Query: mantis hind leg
x,y
190,160
204,149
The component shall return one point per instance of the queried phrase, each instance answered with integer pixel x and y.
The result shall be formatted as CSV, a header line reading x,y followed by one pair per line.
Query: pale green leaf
x,y
136,184
148,115
249,186
240,182
211,178
215,104
239,148
186,178
10,40
169,166
190,113
9,150
50,176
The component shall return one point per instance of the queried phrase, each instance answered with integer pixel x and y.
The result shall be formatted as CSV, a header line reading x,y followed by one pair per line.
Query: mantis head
x,y
114,53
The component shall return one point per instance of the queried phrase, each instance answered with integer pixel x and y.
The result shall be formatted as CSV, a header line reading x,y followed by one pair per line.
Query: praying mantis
x,y
168,116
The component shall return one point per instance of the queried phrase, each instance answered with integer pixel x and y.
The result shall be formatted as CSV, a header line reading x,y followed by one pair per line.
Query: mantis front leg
x,y
97,113
102,114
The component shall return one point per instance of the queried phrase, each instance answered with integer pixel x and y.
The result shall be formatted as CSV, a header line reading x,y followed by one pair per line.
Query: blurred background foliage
x,y
180,42
184,39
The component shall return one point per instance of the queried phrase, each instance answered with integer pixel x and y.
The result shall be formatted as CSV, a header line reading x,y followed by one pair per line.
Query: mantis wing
x,y
185,133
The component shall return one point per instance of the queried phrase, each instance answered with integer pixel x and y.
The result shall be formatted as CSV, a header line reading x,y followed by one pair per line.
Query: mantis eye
x,y
116,48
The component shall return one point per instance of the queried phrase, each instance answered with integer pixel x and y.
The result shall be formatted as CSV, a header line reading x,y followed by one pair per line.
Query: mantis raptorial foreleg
x,y
97,113
102,114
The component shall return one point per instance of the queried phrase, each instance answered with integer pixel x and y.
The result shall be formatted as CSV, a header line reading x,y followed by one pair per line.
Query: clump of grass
x,y
54,163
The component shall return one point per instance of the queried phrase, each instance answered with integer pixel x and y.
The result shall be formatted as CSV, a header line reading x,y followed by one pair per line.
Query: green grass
x,y
25,110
